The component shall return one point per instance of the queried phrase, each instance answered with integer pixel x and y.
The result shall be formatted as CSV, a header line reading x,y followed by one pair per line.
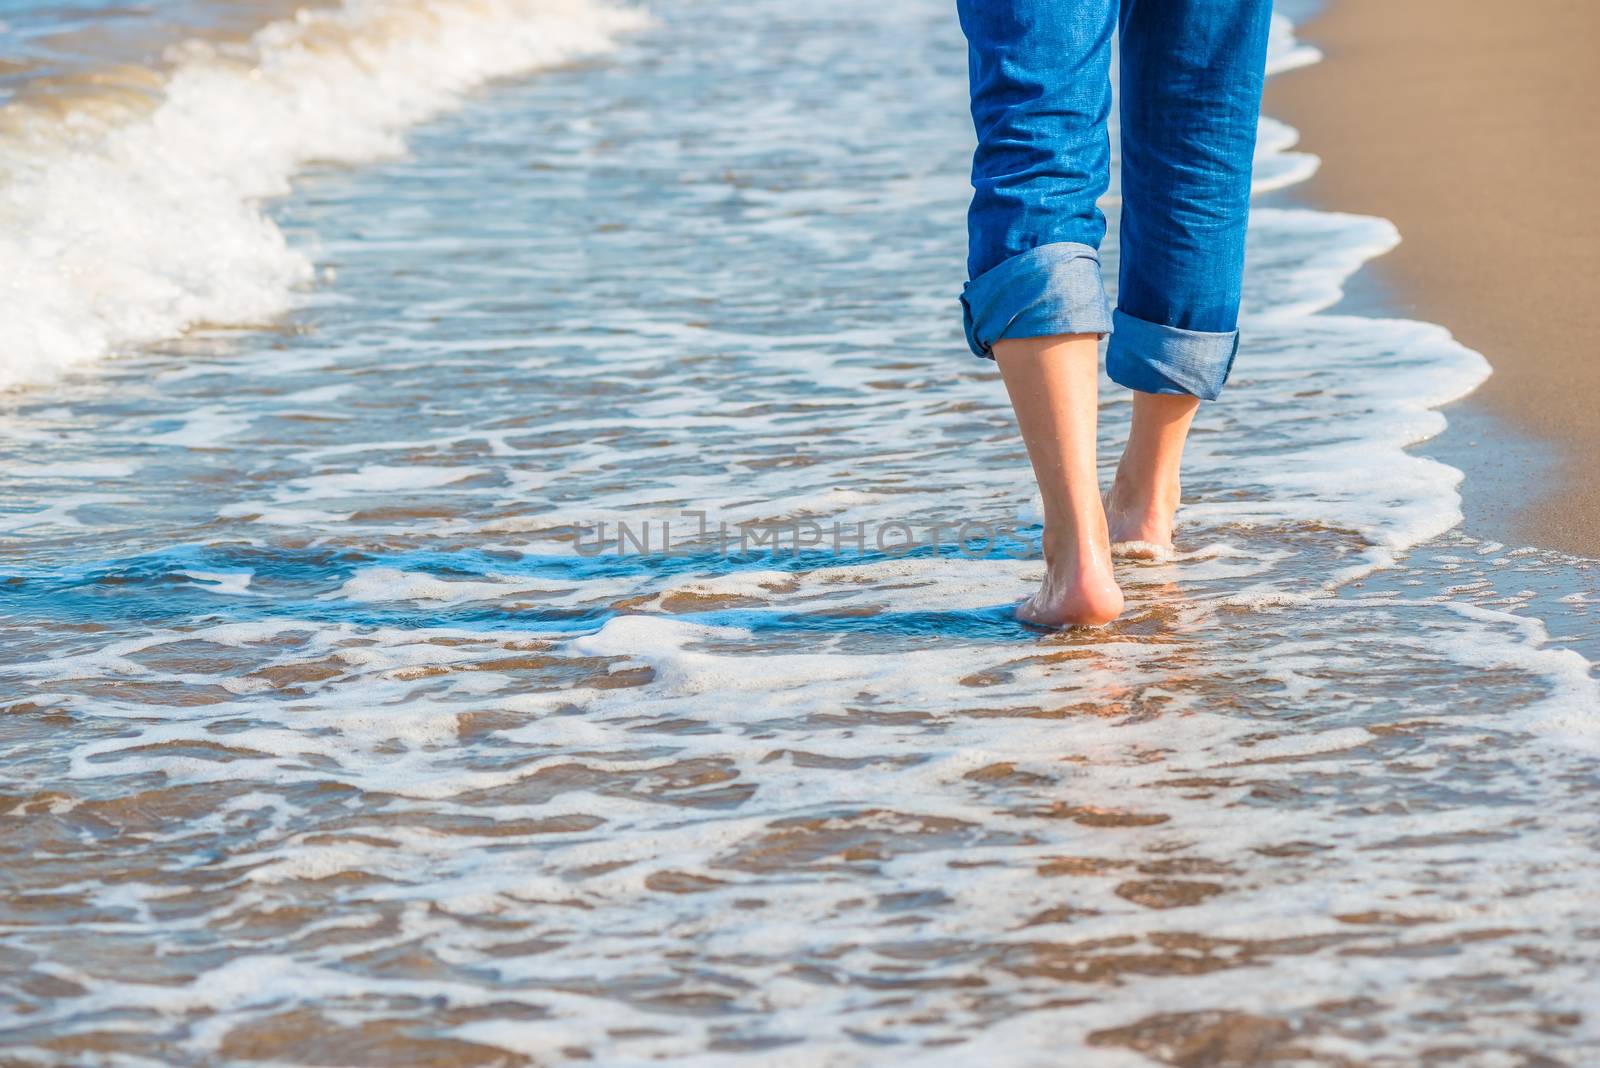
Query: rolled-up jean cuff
x,y
1050,289
1152,358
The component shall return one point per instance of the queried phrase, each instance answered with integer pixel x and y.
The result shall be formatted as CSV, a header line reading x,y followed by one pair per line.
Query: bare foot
x,y
1144,498
1052,383
1141,519
1079,589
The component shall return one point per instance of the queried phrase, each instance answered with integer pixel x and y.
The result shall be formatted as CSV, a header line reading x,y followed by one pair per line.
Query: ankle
x,y
1144,494
1076,547
1141,511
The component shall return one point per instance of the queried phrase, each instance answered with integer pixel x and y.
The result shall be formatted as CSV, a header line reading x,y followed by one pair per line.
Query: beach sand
x,y
325,743
1472,128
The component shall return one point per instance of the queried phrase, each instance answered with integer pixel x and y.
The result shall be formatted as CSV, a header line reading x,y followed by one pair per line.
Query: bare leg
x,y
1144,497
1053,383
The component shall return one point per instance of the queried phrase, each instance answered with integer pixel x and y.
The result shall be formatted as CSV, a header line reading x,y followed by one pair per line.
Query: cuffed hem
x,y
1051,289
1152,358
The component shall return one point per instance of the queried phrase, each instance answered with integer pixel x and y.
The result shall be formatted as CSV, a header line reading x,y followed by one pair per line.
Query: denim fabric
x,y
1152,358
1190,94
1052,289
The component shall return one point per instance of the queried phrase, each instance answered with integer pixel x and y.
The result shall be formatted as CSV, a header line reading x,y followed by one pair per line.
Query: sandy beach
x,y
1474,133
343,723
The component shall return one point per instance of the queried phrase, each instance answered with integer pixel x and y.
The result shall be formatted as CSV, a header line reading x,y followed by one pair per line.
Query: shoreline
x,y
1467,131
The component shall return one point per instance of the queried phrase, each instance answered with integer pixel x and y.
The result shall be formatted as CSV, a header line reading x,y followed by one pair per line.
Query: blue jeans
x,y
1190,94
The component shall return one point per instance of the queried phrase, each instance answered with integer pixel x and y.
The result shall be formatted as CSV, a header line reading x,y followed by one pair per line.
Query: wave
x,y
128,217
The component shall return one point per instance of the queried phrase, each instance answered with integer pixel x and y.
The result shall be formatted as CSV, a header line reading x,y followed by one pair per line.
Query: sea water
x,y
335,731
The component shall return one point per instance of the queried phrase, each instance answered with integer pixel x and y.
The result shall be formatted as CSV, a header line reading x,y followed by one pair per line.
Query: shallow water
x,y
326,744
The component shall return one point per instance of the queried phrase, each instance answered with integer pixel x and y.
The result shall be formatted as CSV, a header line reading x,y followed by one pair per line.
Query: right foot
x,y
1141,521
1144,496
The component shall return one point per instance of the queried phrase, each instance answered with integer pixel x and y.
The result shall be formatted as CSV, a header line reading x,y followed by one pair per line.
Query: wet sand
x,y
1473,130
334,749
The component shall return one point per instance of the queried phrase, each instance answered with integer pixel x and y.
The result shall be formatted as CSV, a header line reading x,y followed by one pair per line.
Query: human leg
x,y
1041,97
1053,383
1190,79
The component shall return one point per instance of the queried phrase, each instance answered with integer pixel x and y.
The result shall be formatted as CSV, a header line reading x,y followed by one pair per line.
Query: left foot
x,y
1052,382
1079,589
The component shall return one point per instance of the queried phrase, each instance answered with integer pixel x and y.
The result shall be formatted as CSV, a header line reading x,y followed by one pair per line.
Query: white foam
x,y
805,747
120,229
1285,51
380,478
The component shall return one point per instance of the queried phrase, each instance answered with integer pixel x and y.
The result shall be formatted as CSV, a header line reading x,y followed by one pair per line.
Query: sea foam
x,y
310,732
123,223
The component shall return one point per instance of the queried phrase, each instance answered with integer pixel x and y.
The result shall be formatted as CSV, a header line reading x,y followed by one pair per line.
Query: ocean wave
x,y
340,746
129,217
